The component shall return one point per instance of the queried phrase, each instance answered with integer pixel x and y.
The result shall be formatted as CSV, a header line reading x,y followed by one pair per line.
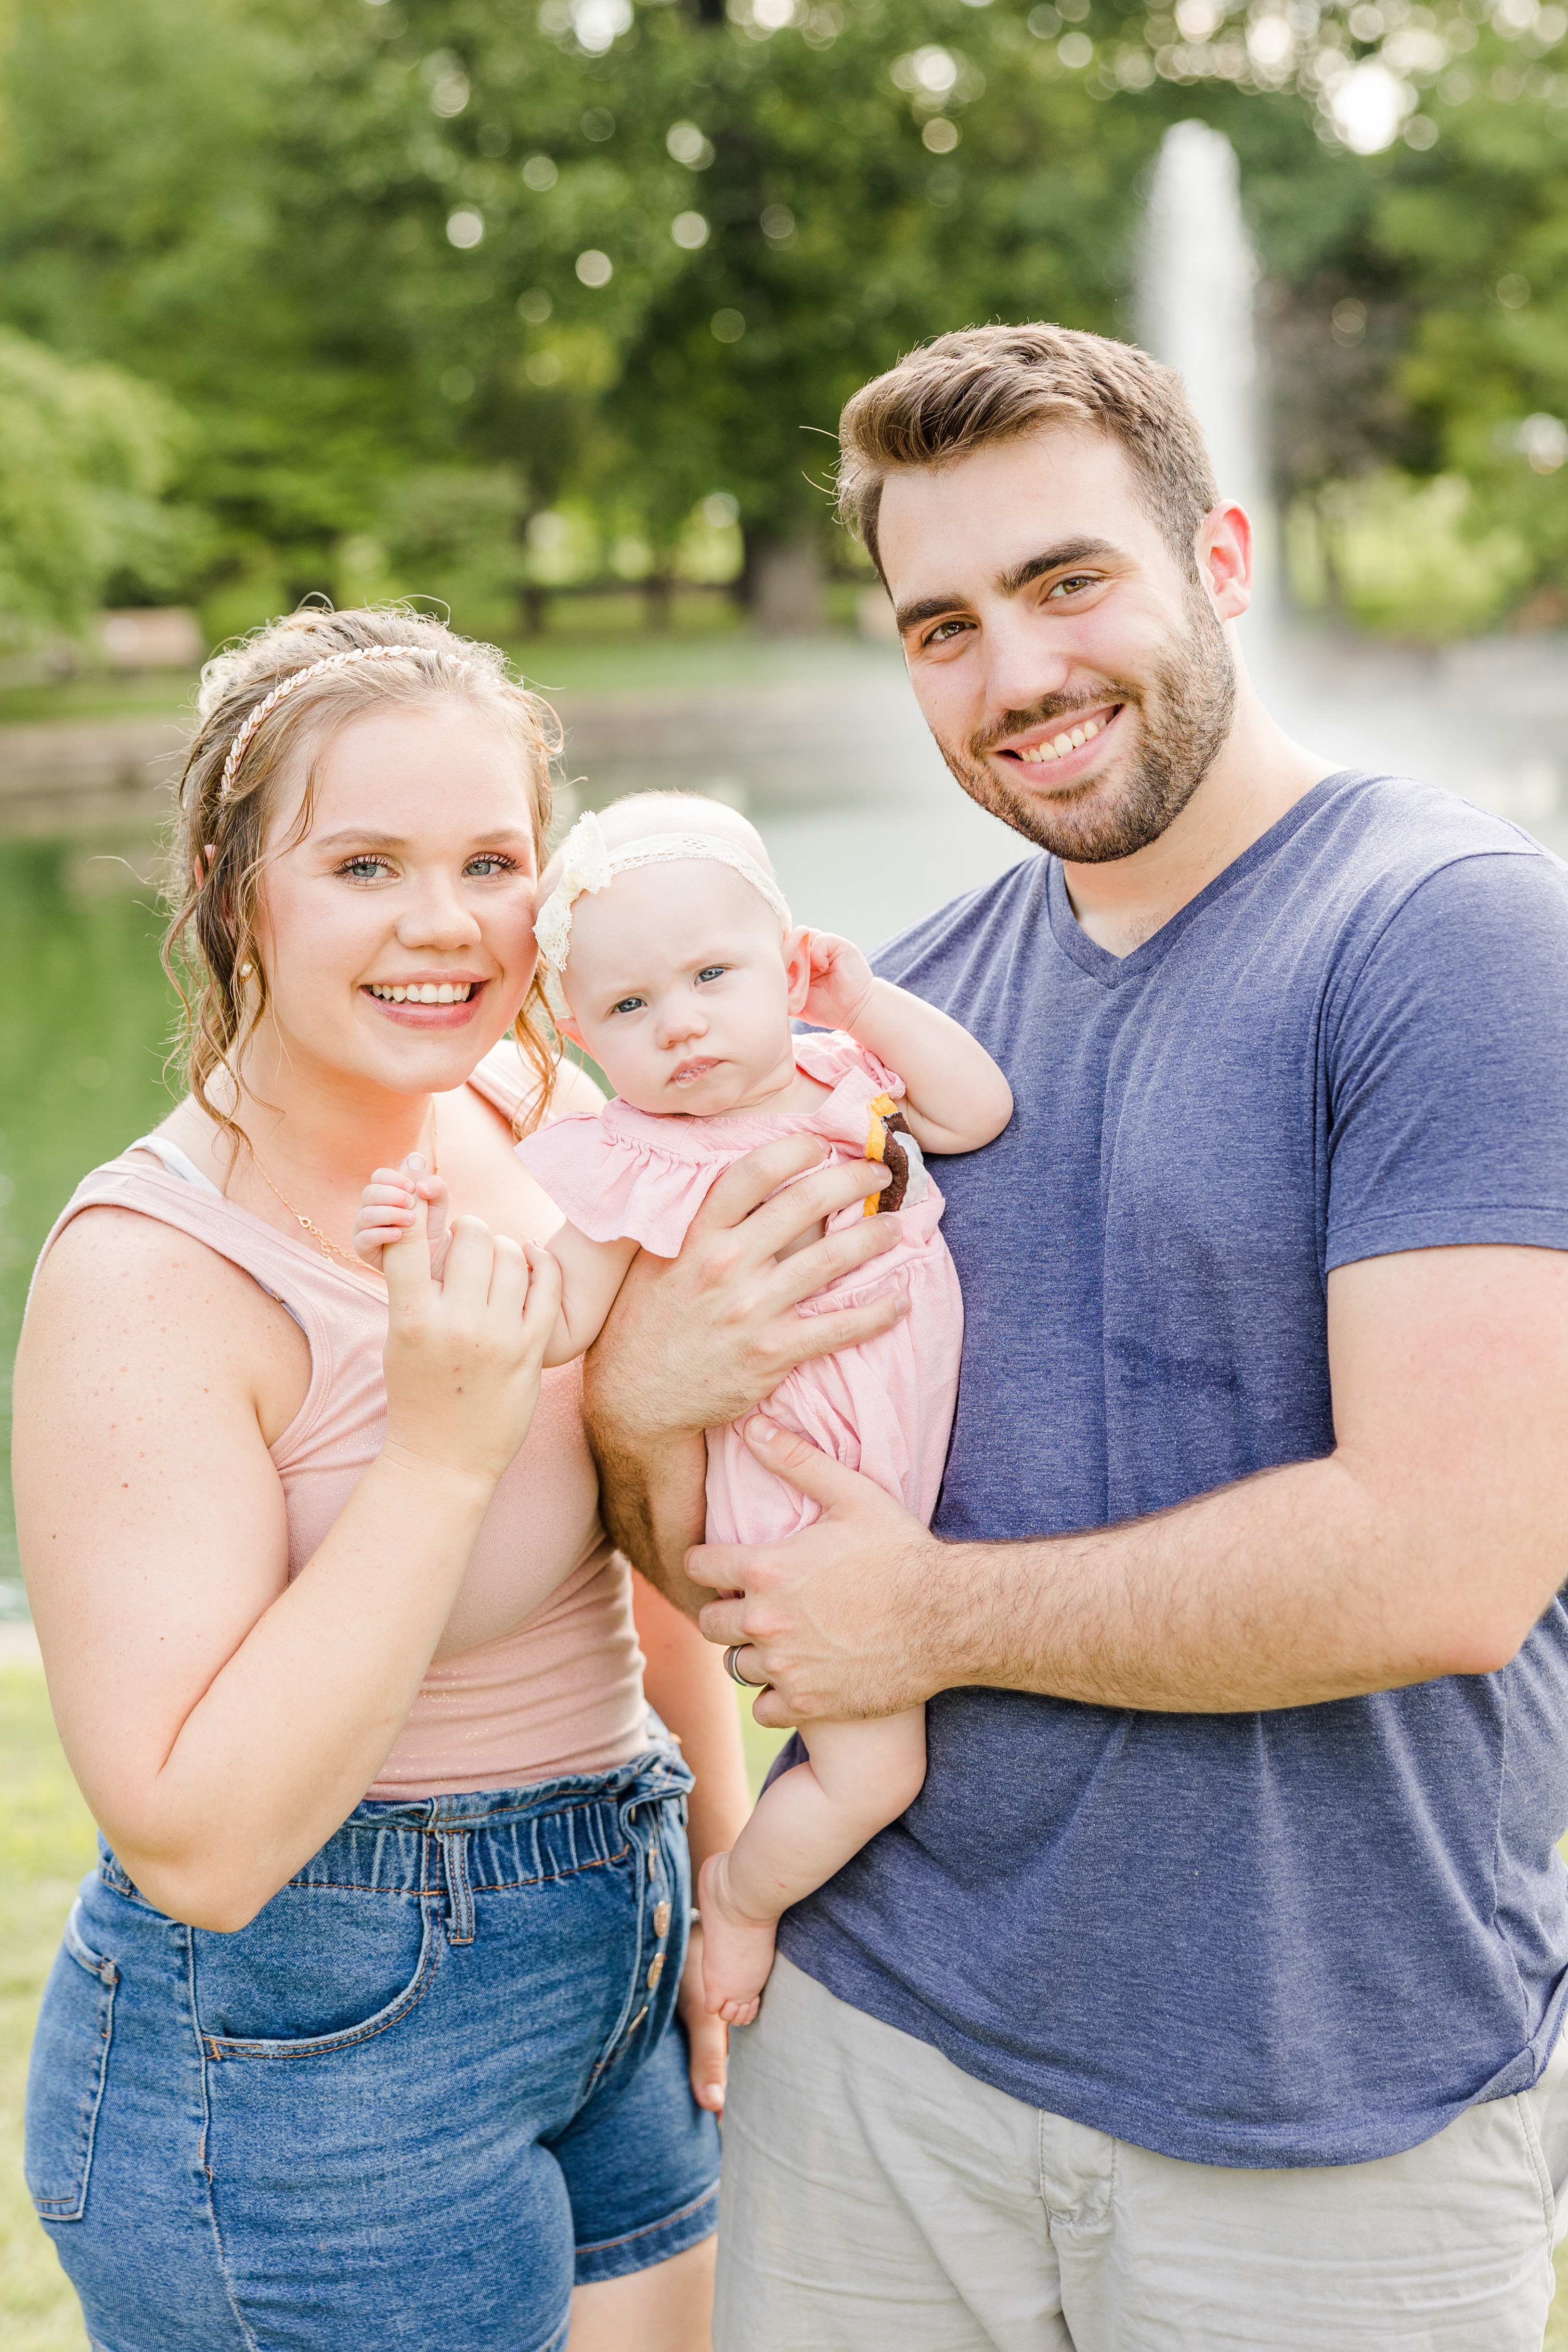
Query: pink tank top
x,y
559,1692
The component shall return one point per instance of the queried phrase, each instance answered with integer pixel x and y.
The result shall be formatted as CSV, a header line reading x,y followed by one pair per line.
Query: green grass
x,y
101,695
761,1746
46,1844
581,652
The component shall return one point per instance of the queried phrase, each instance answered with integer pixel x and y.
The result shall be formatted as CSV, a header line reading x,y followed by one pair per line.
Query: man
x,y
1208,1995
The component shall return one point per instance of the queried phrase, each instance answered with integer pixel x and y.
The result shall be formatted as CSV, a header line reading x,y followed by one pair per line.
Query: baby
x,y
681,971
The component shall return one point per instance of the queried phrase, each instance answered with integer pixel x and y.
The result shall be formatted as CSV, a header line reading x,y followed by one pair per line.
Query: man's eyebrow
x,y
1058,559
1034,567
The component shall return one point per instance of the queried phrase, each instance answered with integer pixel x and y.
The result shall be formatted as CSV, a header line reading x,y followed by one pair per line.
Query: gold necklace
x,y
328,1247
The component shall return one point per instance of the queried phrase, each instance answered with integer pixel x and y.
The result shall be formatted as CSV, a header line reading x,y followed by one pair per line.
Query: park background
x,y
543,314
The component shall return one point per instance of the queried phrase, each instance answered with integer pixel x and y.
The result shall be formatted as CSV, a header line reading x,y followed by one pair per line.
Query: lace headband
x,y
589,864
285,686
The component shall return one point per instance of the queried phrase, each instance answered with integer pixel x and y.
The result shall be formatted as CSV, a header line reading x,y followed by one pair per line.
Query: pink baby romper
x,y
884,1407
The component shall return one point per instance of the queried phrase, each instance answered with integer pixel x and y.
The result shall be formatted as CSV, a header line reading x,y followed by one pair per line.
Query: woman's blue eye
x,y
712,971
493,862
363,869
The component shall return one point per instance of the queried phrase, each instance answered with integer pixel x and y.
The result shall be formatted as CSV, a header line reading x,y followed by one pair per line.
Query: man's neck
x,y
1260,773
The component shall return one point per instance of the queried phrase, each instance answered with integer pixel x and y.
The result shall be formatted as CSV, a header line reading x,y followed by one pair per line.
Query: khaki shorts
x,y
878,2200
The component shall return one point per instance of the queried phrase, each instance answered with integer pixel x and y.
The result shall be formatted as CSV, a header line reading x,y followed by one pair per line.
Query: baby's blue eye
x,y
712,971
626,1005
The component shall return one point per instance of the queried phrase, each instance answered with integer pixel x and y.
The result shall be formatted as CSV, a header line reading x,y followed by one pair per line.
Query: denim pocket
x,y
67,2074
306,1979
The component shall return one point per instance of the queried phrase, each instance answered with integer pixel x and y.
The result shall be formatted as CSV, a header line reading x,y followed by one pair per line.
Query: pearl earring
x,y
244,972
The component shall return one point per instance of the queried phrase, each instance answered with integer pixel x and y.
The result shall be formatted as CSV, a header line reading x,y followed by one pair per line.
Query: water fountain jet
x,y
1196,276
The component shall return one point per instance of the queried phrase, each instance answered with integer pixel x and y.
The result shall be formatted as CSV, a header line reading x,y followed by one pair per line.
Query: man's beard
x,y
1186,706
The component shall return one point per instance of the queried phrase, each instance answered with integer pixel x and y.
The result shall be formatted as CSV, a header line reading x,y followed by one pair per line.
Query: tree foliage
x,y
421,270
85,453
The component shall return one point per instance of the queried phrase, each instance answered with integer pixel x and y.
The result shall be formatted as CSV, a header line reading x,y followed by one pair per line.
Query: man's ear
x,y
1224,550
797,966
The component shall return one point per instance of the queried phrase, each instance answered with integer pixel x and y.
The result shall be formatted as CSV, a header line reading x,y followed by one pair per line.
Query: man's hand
x,y
846,1618
1426,1544
697,1341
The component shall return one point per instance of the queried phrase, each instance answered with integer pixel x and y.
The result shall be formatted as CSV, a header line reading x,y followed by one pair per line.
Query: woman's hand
x,y
463,1357
707,2037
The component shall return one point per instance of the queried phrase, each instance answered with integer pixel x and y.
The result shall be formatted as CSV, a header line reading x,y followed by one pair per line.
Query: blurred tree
x,y
85,453
517,253
730,221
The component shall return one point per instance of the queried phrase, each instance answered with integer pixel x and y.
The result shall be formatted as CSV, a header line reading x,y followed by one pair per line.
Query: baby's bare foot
x,y
737,1950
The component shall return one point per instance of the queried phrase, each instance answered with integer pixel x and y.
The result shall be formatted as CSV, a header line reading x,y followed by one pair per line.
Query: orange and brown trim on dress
x,y
888,1123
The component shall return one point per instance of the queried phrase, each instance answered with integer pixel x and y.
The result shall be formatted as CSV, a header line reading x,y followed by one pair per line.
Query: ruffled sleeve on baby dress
x,y
831,1056
616,1185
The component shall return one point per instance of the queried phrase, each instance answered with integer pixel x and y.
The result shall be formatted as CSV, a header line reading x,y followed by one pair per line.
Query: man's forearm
x,y
1299,1586
651,1496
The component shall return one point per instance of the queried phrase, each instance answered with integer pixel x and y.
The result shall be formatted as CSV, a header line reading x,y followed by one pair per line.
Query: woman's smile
x,y
428,1000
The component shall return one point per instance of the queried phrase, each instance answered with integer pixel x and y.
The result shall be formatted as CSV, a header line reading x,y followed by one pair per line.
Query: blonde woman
x,y
364,2030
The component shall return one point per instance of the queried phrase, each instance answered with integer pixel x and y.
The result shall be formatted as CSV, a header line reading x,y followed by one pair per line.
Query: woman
x,y
363,2033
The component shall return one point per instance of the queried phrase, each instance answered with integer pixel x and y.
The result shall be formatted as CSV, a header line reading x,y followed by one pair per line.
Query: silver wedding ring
x,y
733,1671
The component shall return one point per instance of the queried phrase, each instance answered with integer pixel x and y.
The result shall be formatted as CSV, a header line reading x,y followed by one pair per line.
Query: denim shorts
x,y
435,2084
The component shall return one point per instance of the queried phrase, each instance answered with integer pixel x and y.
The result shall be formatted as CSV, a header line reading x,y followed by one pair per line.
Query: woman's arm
x,y
686,1684
955,1097
222,1721
687,1687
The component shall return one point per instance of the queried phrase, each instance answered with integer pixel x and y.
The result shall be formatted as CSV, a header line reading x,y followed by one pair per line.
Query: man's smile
x,y
1051,744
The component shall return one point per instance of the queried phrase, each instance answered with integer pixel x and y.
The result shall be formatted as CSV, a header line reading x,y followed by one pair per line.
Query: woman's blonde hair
x,y
219,856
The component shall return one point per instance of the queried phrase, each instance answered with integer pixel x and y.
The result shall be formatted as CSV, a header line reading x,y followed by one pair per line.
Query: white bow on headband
x,y
589,864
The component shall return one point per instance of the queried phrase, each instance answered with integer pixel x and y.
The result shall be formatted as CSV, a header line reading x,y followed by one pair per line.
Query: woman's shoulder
x,y
112,1274
511,1084
574,1095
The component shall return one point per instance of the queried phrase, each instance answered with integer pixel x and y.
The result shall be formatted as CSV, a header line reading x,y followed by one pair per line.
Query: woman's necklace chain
x,y
328,1247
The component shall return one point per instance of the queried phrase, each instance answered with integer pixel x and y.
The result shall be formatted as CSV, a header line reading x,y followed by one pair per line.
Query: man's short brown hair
x,y
990,383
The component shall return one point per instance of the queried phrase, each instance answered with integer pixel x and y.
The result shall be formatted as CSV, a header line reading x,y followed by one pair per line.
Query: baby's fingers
x,y
371,1240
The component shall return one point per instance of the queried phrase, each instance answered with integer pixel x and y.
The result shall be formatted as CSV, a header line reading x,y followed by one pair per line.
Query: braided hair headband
x,y
589,864
285,686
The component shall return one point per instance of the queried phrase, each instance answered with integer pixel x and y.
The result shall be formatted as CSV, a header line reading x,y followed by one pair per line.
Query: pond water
x,y
819,741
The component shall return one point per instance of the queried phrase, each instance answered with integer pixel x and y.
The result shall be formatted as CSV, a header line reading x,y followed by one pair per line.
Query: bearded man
x,y
1208,1994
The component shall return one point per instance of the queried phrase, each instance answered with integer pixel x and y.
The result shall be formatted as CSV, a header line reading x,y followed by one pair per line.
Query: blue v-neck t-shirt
x,y
1314,1935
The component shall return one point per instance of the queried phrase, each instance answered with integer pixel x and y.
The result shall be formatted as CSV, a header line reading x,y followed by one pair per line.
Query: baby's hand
x,y
841,981
386,1211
